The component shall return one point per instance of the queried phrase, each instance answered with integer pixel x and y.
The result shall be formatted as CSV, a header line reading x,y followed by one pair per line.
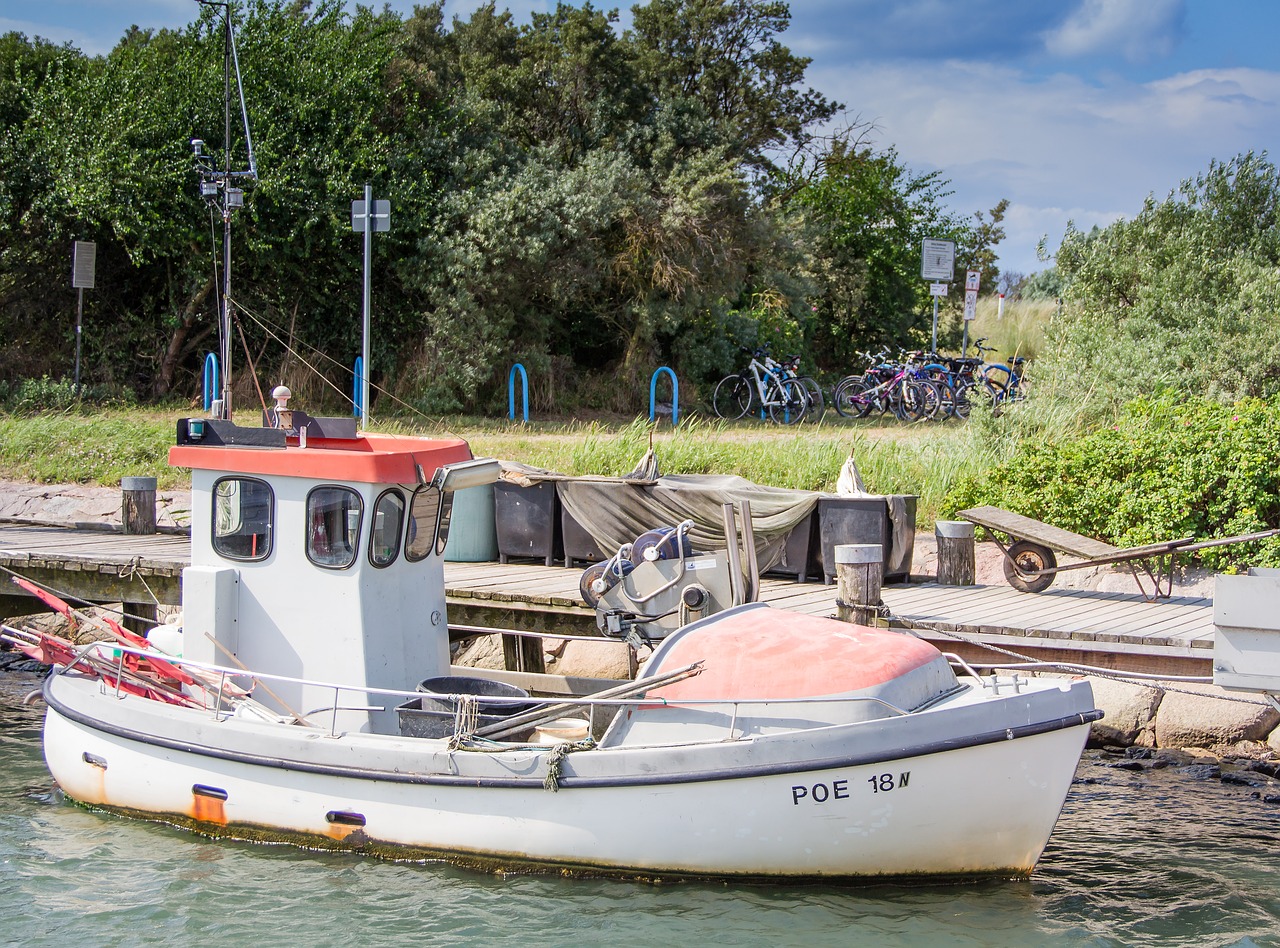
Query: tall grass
x,y
926,460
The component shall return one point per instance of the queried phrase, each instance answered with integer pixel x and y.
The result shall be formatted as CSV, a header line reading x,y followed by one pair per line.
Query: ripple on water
x,y
1149,857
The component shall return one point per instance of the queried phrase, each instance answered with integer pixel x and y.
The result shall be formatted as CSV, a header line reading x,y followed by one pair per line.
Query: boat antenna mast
x,y
220,188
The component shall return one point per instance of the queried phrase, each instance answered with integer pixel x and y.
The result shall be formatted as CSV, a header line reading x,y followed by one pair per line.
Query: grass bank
x,y
101,447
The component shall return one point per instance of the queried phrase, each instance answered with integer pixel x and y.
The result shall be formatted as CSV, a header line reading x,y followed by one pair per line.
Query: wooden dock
x,y
1114,630
93,564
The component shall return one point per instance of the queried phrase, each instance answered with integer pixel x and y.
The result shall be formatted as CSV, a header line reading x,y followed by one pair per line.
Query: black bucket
x,y
432,715
436,692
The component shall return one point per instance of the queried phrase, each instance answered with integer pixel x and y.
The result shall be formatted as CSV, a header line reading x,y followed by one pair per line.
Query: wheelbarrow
x,y
1030,564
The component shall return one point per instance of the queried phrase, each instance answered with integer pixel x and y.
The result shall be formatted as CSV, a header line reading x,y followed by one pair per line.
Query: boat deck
x,y
1115,630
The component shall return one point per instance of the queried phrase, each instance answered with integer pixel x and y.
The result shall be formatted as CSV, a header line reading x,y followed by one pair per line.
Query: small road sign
x,y
970,305
937,289
381,216
972,279
84,265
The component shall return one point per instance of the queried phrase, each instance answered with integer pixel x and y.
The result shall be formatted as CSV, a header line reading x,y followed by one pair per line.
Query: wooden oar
x,y
520,722
297,718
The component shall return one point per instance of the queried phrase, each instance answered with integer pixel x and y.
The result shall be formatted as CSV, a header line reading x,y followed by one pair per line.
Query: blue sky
x,y
1071,109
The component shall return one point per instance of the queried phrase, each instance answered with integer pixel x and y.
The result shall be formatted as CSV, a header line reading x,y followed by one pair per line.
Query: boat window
x,y
424,516
384,537
446,514
243,510
333,526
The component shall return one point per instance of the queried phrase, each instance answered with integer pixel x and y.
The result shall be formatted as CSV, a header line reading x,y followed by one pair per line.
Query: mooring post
x,y
138,504
956,558
859,576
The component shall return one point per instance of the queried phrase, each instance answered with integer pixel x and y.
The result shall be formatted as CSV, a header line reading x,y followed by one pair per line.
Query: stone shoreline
x,y
1155,716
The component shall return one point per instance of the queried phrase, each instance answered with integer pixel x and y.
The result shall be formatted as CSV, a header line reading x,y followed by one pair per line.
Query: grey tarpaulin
x,y
616,510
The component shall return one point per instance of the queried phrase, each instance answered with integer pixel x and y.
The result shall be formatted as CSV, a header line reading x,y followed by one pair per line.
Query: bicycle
x,y
761,384
900,388
813,391
1001,382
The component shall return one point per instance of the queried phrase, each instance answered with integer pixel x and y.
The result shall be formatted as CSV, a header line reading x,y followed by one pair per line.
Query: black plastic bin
x,y
863,520
579,546
432,715
799,550
527,521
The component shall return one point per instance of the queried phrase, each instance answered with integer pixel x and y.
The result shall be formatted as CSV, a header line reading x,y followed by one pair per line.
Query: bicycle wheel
x,y
787,402
732,398
920,400
850,398
963,403
946,396
816,406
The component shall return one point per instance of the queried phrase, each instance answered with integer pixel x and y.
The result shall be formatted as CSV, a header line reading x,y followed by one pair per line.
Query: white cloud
x,y
1139,30
1058,148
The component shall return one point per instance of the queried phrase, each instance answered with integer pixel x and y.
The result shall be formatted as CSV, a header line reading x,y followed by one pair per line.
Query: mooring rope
x,y
555,761
466,718
1091,670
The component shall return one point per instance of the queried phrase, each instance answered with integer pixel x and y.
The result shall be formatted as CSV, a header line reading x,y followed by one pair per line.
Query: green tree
x,y
1183,296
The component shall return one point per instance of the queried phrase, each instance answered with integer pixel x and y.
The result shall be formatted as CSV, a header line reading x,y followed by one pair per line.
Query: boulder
x,y
603,659
1204,720
483,652
1130,712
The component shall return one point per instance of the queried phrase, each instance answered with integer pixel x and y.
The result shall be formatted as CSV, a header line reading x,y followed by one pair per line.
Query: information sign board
x,y
938,259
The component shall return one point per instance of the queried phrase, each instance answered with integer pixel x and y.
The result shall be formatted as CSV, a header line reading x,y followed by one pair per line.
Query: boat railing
x,y
219,685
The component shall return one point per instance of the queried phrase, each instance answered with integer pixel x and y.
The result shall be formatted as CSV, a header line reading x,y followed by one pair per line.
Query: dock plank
x,y
1077,621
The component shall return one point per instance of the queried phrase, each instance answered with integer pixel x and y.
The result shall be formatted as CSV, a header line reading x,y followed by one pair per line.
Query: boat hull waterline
x,y
967,808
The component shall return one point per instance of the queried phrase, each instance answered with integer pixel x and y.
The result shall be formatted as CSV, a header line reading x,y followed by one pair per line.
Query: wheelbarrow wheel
x,y
1026,558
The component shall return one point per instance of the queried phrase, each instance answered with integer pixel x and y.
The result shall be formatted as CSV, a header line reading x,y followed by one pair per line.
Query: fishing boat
x,y
755,744
308,693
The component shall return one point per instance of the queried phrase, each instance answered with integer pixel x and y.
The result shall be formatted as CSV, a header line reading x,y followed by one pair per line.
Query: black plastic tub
x,y
579,545
799,551
432,715
437,691
863,520
527,521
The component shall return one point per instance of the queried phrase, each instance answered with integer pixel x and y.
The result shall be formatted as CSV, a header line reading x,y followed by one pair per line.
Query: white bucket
x,y
561,731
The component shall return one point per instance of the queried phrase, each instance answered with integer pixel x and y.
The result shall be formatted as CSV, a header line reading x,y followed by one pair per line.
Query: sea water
x,y
1159,857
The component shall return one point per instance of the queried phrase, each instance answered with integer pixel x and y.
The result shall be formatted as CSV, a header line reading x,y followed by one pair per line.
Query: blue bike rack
x,y
511,391
209,378
675,395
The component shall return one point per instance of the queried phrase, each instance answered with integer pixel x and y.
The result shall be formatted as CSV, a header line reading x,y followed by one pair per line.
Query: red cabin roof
x,y
367,459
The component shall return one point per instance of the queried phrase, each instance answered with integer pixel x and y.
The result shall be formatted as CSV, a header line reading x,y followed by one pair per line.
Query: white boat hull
x,y
833,803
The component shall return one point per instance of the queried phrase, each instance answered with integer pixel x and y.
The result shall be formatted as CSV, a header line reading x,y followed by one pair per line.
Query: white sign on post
x,y
970,305
84,264
937,289
938,259
971,279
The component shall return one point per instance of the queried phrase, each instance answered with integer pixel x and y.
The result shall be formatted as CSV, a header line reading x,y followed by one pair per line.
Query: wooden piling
x,y
956,557
138,504
859,576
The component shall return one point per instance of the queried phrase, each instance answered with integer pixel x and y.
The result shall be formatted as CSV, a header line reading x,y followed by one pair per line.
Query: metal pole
x,y
364,348
79,319
226,224
934,344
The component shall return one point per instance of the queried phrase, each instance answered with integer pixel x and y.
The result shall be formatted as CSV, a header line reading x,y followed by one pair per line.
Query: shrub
x,y
1167,468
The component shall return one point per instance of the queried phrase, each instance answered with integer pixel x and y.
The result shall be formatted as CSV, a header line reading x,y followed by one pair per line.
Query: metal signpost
x,y
362,221
972,279
937,262
83,269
